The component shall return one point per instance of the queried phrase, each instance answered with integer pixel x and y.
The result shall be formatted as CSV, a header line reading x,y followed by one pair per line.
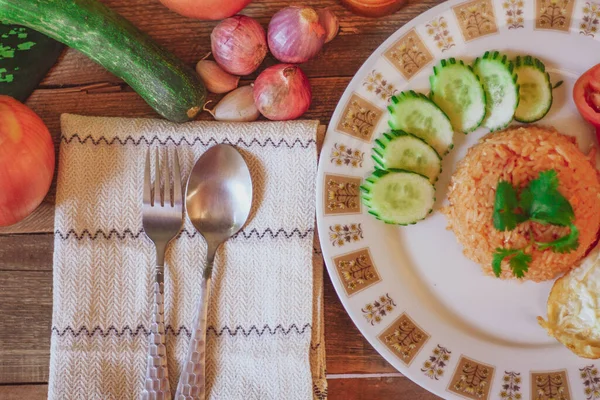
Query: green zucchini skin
x,y
166,83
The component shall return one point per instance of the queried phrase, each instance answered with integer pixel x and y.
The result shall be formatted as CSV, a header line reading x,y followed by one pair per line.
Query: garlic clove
x,y
237,106
330,23
215,78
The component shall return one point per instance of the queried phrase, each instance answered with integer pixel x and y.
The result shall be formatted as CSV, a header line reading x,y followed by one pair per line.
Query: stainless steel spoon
x,y
218,200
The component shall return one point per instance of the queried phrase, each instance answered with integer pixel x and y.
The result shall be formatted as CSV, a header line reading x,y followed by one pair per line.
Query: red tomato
x,y
586,95
26,161
206,9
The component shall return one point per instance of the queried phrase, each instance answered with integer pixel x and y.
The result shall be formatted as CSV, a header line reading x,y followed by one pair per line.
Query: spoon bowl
x,y
218,200
219,193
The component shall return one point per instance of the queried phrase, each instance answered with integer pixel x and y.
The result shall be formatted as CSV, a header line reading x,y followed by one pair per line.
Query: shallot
x,y
295,34
237,106
330,23
239,44
215,79
282,92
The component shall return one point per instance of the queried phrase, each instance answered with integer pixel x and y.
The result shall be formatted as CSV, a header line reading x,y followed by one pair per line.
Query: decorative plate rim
x,y
417,375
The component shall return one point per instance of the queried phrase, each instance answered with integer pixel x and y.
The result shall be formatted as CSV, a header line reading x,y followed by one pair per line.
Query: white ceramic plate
x,y
424,306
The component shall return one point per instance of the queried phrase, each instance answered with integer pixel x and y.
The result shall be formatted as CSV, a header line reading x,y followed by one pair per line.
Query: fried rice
x,y
518,155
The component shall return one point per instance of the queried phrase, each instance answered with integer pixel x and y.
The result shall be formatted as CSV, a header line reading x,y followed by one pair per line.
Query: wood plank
x,y
25,330
21,392
41,220
377,388
190,39
26,252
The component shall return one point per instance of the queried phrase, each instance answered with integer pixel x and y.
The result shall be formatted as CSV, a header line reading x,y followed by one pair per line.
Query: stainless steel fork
x,y
162,216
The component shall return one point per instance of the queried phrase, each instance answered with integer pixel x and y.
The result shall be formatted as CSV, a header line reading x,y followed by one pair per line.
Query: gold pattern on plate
x,y
553,14
359,118
376,83
434,366
476,18
342,194
437,28
591,17
551,385
409,54
343,155
591,382
404,338
340,234
356,270
513,9
511,386
375,311
472,379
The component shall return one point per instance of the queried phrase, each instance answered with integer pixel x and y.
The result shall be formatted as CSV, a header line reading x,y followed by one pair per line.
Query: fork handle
x,y
156,385
192,382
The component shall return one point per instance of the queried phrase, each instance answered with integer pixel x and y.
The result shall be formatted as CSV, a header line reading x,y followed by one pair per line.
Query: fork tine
x,y
178,199
168,199
157,192
147,182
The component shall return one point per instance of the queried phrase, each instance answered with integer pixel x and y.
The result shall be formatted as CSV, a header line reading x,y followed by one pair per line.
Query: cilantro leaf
x,y
505,214
498,256
542,201
565,244
519,263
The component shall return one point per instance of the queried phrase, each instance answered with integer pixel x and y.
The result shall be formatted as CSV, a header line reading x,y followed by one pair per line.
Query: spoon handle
x,y
156,385
192,380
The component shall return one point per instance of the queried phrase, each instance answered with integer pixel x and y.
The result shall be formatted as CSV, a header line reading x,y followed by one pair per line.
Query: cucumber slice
x,y
401,150
457,91
501,90
535,89
415,113
398,197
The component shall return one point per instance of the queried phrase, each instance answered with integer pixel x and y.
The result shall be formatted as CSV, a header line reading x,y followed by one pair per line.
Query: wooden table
x,y
77,85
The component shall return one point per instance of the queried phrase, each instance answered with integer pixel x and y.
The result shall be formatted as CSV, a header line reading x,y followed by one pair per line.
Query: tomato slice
x,y
586,95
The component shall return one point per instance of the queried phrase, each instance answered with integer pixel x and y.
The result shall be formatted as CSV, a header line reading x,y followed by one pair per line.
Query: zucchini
x,y
535,89
169,86
398,197
415,113
495,71
458,92
402,150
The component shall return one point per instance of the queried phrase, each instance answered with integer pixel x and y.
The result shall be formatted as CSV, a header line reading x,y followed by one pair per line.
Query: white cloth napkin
x,y
265,336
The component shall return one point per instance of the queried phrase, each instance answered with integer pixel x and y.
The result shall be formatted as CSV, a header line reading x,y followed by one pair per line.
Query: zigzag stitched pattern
x,y
266,328
98,234
255,232
128,233
146,332
169,139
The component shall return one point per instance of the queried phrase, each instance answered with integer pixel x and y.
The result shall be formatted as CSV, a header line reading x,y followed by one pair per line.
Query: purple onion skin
x,y
282,92
239,45
295,34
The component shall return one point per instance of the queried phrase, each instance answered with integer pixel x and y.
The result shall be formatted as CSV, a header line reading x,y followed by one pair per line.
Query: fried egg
x,y
574,308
